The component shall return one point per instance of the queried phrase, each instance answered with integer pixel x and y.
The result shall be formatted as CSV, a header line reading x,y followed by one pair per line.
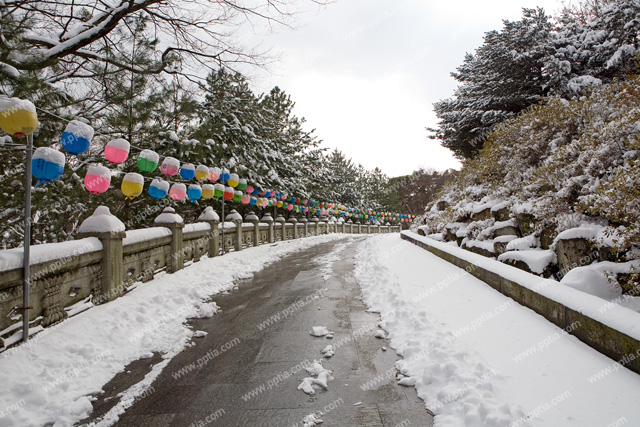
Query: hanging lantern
x,y
117,151
178,192
188,171
312,203
194,192
253,201
148,161
170,166
249,189
97,179
233,180
256,191
229,193
218,191
245,199
47,164
18,117
224,175
208,190
202,173
242,184
237,196
270,202
76,137
214,174
259,202
279,203
158,189
306,209
290,208
262,193
132,185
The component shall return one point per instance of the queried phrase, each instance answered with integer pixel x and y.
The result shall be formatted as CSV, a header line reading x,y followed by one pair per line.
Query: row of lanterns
x,y
19,119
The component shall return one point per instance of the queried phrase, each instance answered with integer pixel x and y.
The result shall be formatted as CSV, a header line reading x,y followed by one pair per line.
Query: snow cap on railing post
x,y
170,219
110,230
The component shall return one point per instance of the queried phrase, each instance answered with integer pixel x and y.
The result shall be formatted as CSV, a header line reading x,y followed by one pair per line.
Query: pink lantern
x,y
290,207
262,193
117,151
283,197
306,209
178,192
214,174
245,199
249,189
98,179
170,166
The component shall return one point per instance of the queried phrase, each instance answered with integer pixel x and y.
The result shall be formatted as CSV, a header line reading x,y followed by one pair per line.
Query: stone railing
x,y
103,265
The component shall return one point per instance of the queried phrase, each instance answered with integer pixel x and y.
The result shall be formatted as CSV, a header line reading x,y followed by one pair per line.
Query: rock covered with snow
x,y
168,216
102,221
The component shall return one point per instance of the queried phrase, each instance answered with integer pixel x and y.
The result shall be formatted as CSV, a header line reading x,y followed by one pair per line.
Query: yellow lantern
x,y
234,180
132,185
208,191
202,173
18,116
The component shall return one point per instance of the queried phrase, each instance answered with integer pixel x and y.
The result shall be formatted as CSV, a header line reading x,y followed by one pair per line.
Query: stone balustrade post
x,y
170,219
294,221
112,283
253,218
350,224
305,221
236,218
281,223
211,217
267,218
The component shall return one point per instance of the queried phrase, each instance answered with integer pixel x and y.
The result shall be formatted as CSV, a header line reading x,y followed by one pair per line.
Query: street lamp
x,y
18,118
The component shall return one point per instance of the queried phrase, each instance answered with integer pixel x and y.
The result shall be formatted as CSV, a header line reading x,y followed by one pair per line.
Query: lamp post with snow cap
x,y
18,118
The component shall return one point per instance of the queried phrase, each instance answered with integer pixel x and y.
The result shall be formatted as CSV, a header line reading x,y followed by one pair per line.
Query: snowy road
x,y
478,358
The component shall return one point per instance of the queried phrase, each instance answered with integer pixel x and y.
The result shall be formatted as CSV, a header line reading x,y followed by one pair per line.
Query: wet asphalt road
x,y
246,371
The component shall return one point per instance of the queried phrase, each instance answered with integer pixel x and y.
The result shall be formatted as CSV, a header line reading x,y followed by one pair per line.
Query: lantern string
x,y
11,146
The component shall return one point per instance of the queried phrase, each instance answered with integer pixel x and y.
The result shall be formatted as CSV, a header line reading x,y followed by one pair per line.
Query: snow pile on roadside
x,y
51,378
476,357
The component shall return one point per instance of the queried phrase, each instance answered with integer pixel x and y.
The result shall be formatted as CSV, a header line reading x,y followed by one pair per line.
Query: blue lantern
x,y
76,137
194,192
253,201
159,189
47,165
256,191
188,171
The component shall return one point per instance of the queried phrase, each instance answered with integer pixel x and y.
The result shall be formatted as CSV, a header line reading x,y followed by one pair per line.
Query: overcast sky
x,y
365,73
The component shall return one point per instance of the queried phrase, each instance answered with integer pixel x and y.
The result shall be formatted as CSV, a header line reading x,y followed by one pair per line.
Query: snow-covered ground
x,y
477,358
50,380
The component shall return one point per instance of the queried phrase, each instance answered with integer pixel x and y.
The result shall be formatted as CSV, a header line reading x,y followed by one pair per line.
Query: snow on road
x,y
51,378
480,359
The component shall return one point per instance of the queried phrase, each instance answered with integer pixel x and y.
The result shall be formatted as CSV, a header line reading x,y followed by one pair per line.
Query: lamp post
x,y
222,220
18,118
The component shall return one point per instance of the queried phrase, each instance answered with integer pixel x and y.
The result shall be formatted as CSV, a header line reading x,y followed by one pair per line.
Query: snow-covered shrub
x,y
568,162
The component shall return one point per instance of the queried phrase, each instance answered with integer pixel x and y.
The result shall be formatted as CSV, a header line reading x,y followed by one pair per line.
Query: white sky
x,y
365,73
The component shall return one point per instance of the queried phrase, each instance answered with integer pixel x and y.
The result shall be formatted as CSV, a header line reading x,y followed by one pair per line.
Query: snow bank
x,y
479,359
58,371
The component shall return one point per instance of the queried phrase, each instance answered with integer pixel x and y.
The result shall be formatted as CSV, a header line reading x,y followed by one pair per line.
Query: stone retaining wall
x,y
599,333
